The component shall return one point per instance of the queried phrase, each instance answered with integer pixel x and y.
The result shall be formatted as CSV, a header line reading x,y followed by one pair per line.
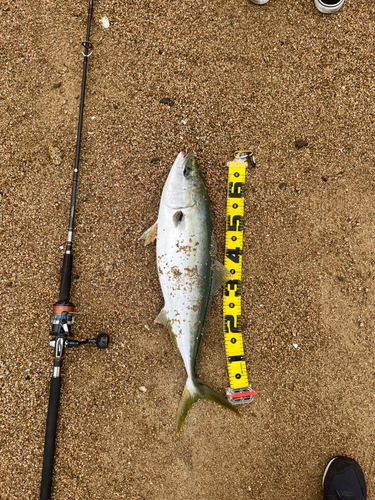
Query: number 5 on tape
x,y
239,391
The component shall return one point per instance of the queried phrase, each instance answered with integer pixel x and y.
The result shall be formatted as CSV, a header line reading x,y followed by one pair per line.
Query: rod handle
x,y
66,277
49,443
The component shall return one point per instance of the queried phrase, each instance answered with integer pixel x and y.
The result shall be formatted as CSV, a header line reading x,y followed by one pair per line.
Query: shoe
x,y
328,6
259,2
343,479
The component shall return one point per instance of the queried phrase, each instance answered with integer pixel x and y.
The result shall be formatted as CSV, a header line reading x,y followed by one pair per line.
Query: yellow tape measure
x,y
239,391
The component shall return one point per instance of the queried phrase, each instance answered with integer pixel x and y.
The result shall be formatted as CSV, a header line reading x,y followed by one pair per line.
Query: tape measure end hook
x,y
240,396
245,154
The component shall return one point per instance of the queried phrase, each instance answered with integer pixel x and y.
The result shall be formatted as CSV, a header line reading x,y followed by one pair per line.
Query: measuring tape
x,y
239,391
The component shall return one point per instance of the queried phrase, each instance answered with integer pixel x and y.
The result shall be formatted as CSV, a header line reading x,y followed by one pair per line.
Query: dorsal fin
x,y
220,275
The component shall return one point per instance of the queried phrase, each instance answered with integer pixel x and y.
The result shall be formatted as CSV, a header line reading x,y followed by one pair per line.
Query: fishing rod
x,y
63,310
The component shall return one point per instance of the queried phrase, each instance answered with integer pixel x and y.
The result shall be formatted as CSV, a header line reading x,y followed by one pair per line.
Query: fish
x,y
189,273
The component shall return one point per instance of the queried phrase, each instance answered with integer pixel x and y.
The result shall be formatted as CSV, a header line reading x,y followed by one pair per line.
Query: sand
x,y
238,75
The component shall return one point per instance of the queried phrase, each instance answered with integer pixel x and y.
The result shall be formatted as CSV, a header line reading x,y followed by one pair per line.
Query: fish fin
x,y
177,218
220,276
199,391
150,235
186,403
162,319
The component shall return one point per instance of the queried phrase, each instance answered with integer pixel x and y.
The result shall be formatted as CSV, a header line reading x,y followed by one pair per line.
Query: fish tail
x,y
198,390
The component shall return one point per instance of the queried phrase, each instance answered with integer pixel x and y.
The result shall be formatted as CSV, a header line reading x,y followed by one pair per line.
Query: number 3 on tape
x,y
239,391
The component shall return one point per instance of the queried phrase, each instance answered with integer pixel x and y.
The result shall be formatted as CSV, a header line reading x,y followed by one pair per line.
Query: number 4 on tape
x,y
239,391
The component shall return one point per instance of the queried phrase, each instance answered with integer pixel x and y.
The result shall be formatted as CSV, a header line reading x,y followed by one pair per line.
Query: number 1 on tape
x,y
239,391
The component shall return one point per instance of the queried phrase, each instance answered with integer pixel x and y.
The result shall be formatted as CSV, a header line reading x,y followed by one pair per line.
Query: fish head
x,y
184,187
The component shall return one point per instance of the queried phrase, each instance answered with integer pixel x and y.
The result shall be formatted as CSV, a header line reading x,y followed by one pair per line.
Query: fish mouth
x,y
180,160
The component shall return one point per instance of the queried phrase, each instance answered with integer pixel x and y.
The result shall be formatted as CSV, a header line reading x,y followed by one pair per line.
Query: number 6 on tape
x,y
239,391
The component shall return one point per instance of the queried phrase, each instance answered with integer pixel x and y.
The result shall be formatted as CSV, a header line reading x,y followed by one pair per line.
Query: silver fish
x,y
188,272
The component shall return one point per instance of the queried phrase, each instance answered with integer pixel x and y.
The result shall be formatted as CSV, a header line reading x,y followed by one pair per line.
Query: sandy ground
x,y
239,75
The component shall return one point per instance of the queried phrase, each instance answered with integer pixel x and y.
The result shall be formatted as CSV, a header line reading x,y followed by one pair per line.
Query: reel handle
x,y
101,341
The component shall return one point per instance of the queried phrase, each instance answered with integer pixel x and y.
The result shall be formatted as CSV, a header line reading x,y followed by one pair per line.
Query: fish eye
x,y
187,171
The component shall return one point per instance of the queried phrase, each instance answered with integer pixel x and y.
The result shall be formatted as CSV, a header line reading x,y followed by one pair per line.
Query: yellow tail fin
x,y
201,391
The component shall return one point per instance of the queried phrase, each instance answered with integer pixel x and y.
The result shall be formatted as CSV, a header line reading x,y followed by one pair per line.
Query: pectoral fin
x,y
150,235
162,319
